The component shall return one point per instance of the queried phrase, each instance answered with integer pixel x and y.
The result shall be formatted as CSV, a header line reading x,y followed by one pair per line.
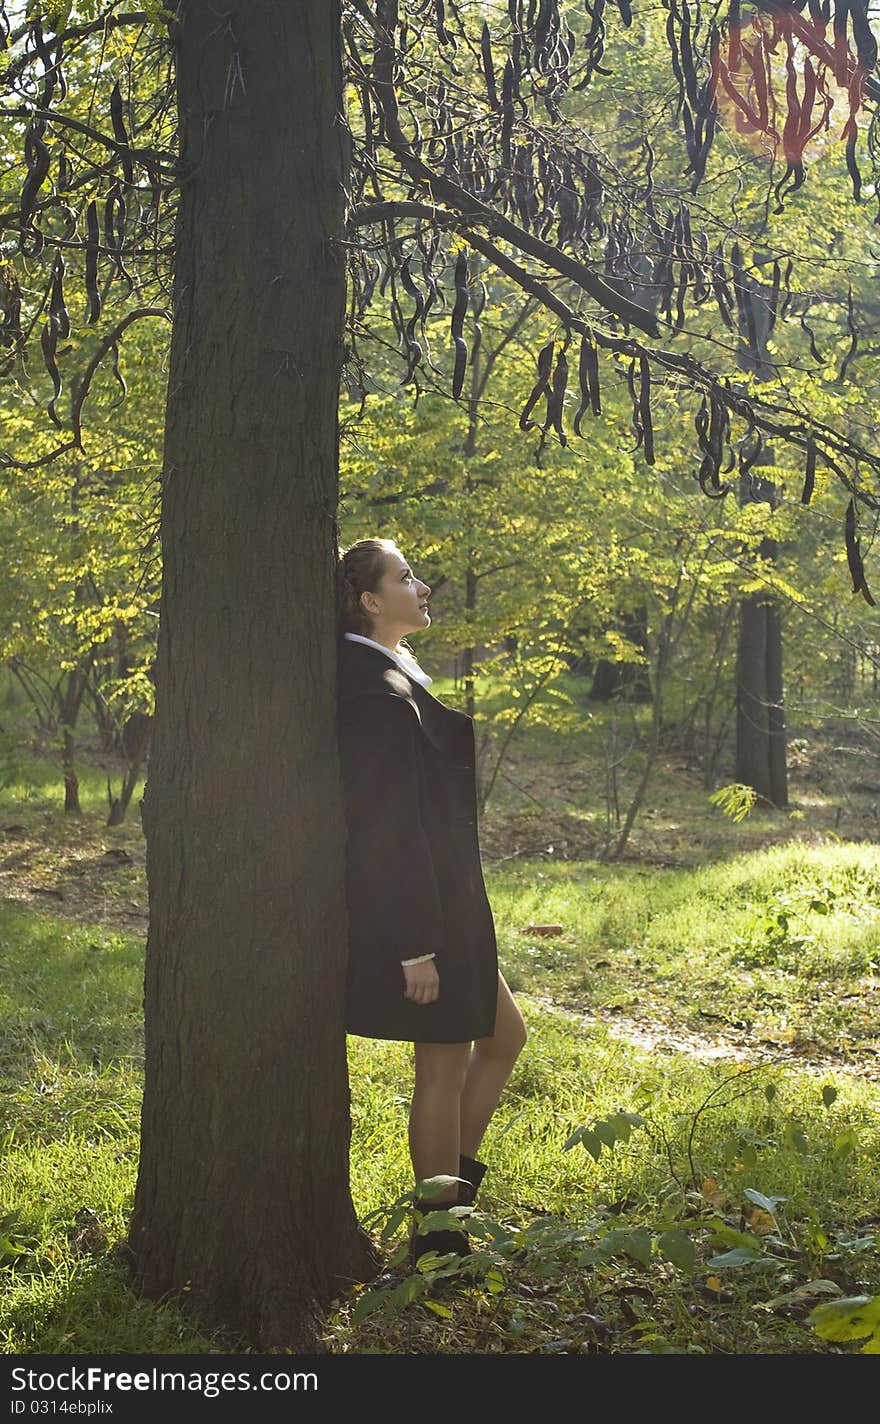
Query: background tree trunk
x,y
630,681
761,753
761,760
242,1199
70,701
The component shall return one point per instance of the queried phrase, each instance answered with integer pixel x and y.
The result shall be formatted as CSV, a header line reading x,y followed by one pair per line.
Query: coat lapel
x,y
363,669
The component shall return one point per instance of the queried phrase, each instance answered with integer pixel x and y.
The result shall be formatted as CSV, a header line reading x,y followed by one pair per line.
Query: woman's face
x,y
399,605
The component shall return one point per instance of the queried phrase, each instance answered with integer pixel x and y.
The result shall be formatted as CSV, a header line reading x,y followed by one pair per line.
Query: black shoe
x,y
473,1173
444,1241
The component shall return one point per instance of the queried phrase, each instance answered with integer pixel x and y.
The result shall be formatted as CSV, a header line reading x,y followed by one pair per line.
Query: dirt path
x,y
732,1045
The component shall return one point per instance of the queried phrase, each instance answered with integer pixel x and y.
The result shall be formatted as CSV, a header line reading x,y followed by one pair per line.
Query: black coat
x,y
414,882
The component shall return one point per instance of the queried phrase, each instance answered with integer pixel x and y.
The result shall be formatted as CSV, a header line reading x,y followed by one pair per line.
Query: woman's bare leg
x,y
434,1123
491,1064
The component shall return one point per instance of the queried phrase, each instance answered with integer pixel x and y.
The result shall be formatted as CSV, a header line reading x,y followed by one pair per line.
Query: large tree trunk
x,y
242,1198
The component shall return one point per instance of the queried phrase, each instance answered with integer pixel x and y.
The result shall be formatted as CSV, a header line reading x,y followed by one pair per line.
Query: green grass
x,y
762,937
71,1071
785,941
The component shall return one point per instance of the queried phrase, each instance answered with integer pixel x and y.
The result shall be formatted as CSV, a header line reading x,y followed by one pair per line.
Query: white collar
x,y
404,659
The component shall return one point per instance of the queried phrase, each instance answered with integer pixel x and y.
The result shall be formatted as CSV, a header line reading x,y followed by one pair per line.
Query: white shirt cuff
x,y
422,959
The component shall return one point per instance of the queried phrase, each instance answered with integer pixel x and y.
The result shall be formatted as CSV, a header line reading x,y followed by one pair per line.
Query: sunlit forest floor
x,y
721,984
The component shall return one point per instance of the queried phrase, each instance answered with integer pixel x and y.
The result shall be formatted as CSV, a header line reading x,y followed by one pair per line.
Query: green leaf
x,y
851,1318
731,1237
804,1292
433,1186
845,1142
794,1136
678,1248
620,1127
740,1256
829,1093
395,1219
632,1241
592,1143
409,1289
770,1092
768,1204
369,1302
439,1309
605,1132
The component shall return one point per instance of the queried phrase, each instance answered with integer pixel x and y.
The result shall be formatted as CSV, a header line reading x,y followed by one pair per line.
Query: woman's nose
x,y
425,590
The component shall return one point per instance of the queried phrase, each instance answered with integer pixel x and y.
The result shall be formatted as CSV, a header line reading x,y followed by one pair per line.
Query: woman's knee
x,y
510,1036
441,1065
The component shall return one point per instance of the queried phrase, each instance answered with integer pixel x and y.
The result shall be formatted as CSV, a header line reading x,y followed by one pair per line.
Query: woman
x,y
422,954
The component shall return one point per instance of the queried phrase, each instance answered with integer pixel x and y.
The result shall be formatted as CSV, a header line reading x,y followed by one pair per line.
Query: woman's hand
x,y
422,982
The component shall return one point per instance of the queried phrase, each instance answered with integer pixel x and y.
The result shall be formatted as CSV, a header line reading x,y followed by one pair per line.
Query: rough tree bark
x,y
242,1199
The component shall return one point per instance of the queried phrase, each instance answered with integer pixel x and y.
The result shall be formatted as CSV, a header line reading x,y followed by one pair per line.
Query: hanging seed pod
x,y
120,132
443,34
841,48
37,158
809,471
711,424
541,386
114,226
724,297
814,350
508,90
638,428
734,51
645,411
92,235
851,133
458,315
556,399
854,556
45,53
866,44
750,450
48,344
586,343
58,313
588,377
488,66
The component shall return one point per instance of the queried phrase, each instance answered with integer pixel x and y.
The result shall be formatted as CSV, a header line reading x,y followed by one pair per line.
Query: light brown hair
x,y
358,571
